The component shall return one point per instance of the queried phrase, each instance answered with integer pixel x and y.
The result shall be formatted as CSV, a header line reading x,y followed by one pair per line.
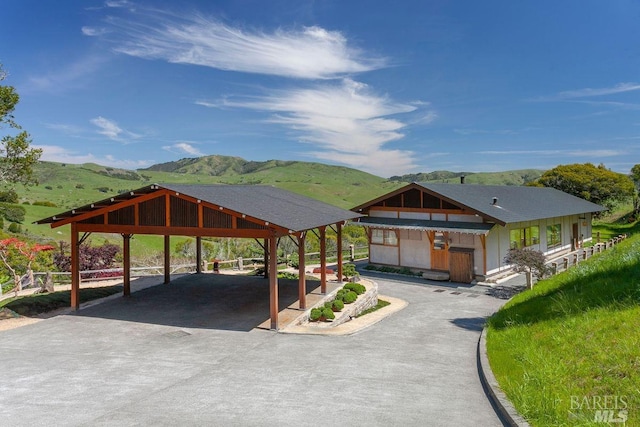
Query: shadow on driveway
x,y
209,301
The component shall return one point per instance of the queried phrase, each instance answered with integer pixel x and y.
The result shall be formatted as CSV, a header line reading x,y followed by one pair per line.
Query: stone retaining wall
x,y
367,300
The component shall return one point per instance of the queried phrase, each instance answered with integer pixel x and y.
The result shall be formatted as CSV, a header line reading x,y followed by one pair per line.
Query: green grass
x,y
575,334
381,303
32,305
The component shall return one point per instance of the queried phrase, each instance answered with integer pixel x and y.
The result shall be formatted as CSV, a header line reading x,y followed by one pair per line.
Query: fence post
x,y
554,268
240,263
566,262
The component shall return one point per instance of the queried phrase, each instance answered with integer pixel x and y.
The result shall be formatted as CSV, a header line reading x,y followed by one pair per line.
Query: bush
x,y
349,270
328,304
45,203
15,228
48,187
315,315
12,213
9,196
341,293
1,223
355,287
327,313
337,305
350,297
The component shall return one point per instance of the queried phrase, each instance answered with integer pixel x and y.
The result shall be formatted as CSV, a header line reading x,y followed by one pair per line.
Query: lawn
x,y
569,348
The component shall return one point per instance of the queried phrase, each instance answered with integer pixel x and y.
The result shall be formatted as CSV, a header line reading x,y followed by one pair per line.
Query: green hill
x,y
68,186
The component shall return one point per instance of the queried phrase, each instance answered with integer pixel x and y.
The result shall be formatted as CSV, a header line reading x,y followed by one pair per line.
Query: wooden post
x,y
273,282
598,237
126,261
339,248
266,258
167,259
198,255
323,260
302,281
75,268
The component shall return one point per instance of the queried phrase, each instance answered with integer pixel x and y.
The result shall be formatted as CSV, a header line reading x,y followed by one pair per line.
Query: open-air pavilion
x,y
264,213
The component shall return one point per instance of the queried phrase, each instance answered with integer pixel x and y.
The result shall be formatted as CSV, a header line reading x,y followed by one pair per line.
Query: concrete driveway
x,y
154,359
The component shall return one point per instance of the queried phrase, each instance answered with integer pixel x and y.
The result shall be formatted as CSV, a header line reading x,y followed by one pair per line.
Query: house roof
x,y
276,206
418,224
513,204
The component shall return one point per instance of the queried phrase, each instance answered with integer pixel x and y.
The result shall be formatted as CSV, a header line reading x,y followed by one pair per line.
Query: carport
x,y
257,212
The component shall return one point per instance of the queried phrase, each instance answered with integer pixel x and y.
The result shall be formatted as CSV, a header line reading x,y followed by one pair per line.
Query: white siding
x,y
379,254
415,253
415,215
383,214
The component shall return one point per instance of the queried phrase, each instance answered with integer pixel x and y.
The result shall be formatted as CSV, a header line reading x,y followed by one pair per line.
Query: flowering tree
x,y
18,256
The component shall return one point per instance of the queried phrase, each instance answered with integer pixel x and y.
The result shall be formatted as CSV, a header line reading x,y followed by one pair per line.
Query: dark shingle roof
x,y
279,207
275,205
515,203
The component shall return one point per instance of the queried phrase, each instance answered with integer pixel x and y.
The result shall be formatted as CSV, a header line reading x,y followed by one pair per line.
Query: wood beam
x,y
198,255
126,261
273,282
323,259
302,280
167,259
266,258
339,248
177,231
483,240
75,268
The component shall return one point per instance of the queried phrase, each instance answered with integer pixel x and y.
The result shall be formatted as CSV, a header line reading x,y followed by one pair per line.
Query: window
x,y
384,237
524,237
439,241
554,235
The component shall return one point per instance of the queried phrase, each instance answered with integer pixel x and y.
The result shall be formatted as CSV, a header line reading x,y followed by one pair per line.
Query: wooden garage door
x,y
461,265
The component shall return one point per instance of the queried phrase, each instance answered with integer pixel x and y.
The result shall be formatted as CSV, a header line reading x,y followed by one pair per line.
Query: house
x,y
464,231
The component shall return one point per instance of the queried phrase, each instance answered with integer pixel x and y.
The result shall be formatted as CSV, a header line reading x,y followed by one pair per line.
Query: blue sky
x,y
386,87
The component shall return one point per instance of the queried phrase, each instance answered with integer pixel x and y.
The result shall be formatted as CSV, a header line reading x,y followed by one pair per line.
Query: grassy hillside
x,y
573,338
69,186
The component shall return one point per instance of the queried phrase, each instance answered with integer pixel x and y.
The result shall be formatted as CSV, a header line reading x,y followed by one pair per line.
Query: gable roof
x,y
514,203
275,206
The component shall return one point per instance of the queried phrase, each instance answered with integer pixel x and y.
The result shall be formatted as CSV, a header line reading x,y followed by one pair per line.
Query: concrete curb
x,y
505,410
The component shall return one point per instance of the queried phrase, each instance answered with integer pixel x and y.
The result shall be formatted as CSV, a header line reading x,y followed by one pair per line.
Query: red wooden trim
x,y
323,260
273,282
75,268
302,280
177,231
126,261
339,248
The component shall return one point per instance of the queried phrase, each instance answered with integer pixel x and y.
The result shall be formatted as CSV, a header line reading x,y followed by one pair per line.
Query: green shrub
x,y
327,313
1,223
12,213
15,228
48,187
350,297
341,293
45,203
338,305
315,314
328,304
9,196
356,287
349,270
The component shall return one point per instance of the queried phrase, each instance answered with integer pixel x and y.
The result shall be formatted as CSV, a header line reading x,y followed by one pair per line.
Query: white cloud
x,y
183,147
55,153
93,32
111,130
589,92
348,122
306,53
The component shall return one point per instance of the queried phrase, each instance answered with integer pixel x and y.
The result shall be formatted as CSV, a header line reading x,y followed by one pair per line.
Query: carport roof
x,y
273,205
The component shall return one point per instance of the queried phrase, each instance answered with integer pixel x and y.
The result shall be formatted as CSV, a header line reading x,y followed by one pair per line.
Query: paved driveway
x,y
149,360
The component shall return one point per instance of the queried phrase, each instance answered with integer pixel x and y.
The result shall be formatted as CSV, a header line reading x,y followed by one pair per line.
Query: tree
x,y
595,184
18,257
91,258
635,177
16,157
527,261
